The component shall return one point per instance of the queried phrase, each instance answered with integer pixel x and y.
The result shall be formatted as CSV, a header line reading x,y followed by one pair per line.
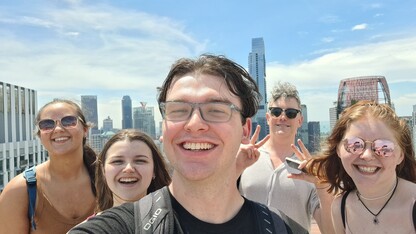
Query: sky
x,y
69,48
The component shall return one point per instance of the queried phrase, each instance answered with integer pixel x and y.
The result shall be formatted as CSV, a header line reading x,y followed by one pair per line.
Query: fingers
x,y
261,143
302,146
304,176
302,154
298,153
255,135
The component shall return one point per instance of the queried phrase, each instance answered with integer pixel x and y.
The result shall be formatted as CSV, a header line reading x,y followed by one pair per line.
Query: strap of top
x,y
414,215
344,198
30,176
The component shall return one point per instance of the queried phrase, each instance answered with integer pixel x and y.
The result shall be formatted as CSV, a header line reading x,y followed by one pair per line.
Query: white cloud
x,y
318,79
359,27
327,39
99,51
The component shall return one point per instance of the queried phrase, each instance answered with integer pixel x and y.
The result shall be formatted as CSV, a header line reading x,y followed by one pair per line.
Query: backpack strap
x,y
30,176
344,198
263,217
154,214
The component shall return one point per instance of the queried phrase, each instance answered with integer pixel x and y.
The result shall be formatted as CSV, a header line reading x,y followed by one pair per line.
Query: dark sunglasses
x,y
291,113
48,125
357,146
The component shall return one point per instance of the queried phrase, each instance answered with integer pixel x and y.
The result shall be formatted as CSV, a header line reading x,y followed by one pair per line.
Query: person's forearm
x,y
323,214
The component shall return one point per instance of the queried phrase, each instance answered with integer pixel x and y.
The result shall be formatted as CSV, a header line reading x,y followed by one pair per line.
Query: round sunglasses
x,y
357,146
291,113
67,122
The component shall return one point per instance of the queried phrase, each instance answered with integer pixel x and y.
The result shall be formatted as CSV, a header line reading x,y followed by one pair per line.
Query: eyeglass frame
x,y
285,111
345,143
60,123
194,105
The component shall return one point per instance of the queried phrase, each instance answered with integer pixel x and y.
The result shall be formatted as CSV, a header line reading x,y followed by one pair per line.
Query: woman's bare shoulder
x,y
14,206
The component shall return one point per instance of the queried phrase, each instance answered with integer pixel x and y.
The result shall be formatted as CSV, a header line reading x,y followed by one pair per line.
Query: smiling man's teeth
x,y
61,139
367,169
197,146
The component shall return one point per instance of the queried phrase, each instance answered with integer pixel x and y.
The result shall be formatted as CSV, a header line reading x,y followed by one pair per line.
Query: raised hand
x,y
248,153
304,156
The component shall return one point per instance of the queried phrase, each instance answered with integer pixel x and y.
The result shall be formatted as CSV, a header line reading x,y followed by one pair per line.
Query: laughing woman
x,y
129,167
370,162
64,183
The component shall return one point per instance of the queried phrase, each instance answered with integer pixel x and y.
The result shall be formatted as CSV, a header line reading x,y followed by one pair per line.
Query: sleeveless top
x,y
344,198
49,220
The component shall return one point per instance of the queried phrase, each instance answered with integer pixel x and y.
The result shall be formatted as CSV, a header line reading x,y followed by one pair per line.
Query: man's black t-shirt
x,y
121,219
242,223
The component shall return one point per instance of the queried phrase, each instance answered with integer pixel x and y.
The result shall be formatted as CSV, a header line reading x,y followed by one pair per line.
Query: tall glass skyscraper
x,y
126,109
257,70
90,110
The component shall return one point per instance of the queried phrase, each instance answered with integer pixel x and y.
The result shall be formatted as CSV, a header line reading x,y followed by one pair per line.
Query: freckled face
x,y
368,168
128,170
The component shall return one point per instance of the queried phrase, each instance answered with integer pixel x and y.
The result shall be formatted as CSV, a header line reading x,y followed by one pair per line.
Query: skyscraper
x,y
19,146
126,109
107,124
314,131
144,119
413,129
257,70
90,110
303,132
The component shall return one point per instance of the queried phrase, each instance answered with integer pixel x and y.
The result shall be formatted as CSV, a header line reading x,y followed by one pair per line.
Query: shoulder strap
x,y
153,213
263,217
344,198
30,176
414,215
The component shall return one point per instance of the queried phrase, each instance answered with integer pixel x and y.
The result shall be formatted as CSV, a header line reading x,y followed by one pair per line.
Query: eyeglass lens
x,y
381,147
290,112
210,111
50,124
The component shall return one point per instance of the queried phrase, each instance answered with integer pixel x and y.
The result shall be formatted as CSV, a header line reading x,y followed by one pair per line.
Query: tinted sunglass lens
x,y
383,148
69,121
46,124
276,112
354,145
291,113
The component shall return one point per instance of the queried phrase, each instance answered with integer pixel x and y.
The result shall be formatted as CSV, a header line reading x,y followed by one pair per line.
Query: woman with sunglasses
x,y
370,162
129,167
64,183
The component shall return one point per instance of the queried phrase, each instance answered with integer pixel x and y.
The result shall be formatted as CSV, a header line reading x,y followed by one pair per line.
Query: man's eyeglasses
x,y
214,112
291,113
381,147
48,125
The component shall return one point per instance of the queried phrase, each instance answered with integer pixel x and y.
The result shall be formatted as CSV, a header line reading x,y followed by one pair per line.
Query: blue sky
x,y
115,48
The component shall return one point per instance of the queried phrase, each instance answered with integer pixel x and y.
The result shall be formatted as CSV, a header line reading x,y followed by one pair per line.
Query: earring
x,y
153,177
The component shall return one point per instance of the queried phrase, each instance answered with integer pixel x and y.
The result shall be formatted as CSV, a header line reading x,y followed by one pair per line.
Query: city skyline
x,y
65,49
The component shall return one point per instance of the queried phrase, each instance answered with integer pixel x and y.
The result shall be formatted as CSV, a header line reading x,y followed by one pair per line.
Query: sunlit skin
x,y
369,169
216,143
282,126
128,170
62,141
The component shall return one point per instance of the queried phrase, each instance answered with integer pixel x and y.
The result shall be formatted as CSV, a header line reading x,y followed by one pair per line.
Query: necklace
x,y
376,198
375,219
